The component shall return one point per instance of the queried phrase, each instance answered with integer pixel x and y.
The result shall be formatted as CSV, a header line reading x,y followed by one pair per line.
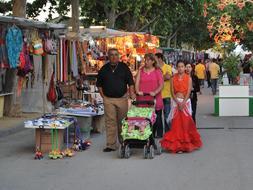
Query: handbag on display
x,y
59,92
37,45
50,44
51,95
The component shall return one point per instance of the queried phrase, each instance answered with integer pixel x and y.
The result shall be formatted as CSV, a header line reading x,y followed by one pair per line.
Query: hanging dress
x,y
14,45
183,135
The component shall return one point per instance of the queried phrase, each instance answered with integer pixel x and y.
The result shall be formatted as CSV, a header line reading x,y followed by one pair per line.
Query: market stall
x,y
42,60
27,53
131,45
49,131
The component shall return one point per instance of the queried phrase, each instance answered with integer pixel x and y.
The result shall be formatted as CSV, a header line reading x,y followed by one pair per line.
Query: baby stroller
x,y
137,130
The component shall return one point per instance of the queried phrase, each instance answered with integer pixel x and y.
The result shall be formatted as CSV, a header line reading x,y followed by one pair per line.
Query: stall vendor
x,y
113,80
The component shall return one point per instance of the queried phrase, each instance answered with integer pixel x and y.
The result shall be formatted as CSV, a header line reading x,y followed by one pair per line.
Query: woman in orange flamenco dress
x,y
183,136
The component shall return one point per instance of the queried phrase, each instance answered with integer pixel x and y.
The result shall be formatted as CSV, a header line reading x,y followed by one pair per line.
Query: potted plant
x,y
231,66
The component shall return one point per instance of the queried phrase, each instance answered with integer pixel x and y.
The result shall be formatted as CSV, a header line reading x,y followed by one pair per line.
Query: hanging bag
x,y
59,92
50,44
51,95
47,43
37,45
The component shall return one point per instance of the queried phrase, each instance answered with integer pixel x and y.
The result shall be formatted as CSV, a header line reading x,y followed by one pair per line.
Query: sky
x,y
43,15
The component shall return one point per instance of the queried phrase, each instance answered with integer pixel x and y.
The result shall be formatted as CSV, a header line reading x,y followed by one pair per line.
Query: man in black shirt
x,y
113,80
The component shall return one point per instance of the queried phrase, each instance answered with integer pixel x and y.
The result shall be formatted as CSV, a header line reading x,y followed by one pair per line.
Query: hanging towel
x,y
65,63
61,61
74,66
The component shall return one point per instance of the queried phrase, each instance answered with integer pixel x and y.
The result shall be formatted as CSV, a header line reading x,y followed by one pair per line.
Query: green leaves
x,y
231,65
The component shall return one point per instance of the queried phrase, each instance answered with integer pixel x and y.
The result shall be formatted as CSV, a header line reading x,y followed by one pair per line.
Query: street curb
x,y
12,130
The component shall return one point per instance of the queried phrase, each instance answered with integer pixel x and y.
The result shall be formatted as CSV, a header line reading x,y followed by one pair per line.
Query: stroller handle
x,y
138,103
144,102
145,94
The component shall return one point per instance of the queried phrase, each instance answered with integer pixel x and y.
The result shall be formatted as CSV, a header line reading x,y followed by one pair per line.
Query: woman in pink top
x,y
150,80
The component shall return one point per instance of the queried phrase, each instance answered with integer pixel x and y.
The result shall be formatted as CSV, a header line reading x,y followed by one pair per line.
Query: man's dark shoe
x,y
108,150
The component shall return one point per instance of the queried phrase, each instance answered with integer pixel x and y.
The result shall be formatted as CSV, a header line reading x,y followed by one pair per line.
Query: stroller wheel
x,y
158,150
127,151
151,152
145,152
121,152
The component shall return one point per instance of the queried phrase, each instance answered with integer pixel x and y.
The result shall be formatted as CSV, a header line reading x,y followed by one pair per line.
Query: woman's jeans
x,y
167,107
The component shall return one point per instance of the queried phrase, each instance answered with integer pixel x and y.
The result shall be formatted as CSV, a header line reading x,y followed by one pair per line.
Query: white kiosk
x,y
233,100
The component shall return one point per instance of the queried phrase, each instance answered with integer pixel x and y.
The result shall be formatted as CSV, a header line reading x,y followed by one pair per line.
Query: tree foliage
x,y
239,19
175,21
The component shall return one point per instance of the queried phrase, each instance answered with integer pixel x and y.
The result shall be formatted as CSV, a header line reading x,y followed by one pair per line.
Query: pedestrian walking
x,y
208,76
183,136
166,93
200,71
150,80
113,80
214,70
194,91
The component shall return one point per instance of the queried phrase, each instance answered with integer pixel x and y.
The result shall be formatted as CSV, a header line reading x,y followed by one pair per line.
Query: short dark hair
x,y
188,63
160,56
112,49
152,57
180,61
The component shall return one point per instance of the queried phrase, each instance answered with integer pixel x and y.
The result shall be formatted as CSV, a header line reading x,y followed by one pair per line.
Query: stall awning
x,y
30,23
103,32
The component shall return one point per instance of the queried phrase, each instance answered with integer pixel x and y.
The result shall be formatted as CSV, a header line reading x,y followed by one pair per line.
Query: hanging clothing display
x,y
74,65
62,61
25,65
2,79
3,51
14,44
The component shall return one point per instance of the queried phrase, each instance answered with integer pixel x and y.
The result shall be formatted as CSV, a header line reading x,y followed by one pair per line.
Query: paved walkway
x,y
10,125
224,163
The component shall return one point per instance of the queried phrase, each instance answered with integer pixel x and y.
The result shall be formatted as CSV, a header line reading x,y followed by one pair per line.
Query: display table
x,y
233,100
87,119
2,96
43,132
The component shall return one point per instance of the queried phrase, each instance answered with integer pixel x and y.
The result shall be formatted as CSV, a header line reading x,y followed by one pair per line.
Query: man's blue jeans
x,y
214,83
167,107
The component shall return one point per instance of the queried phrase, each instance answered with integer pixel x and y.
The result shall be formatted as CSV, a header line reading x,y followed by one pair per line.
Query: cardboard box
x,y
43,136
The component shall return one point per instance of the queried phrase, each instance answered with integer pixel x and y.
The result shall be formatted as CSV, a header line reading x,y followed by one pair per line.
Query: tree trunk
x,y
168,41
175,41
111,18
19,8
131,26
13,103
75,15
